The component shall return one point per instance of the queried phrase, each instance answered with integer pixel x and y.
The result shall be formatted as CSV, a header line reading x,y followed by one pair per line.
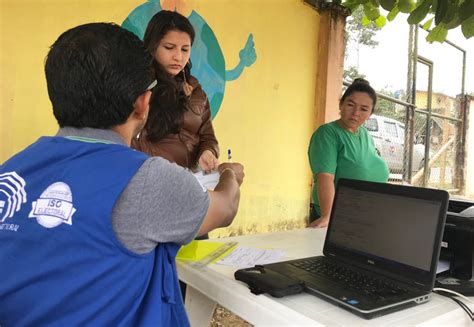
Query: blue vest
x,y
60,261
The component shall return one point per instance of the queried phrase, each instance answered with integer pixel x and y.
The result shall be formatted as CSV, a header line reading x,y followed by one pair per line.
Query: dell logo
x,y
371,262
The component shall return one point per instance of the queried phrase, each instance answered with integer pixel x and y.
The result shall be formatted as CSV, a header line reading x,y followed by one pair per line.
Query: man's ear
x,y
142,105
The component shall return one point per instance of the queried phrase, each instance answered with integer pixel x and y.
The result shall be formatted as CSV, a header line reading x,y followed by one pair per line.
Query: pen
x,y
229,155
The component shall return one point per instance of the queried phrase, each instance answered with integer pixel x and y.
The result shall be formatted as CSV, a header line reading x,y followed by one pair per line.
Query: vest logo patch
x,y
54,206
12,194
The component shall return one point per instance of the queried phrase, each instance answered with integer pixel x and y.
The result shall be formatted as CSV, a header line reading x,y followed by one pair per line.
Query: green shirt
x,y
336,151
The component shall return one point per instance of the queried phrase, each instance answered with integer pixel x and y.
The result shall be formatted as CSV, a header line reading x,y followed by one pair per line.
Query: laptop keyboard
x,y
363,283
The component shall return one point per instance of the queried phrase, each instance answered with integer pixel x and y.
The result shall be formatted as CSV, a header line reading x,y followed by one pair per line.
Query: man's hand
x,y
320,222
237,168
207,161
224,200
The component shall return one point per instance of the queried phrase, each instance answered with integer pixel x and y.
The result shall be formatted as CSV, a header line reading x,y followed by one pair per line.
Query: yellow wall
x,y
28,28
266,116
440,103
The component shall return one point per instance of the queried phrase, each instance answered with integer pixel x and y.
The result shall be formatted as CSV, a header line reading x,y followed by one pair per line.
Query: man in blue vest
x,y
89,228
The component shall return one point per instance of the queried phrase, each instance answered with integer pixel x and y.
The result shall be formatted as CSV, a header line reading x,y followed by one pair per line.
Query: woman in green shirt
x,y
344,149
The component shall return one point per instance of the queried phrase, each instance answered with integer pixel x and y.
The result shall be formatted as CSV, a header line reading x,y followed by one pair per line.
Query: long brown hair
x,y
169,102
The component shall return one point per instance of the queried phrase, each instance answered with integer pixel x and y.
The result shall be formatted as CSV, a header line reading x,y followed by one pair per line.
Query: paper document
x,y
243,257
443,265
207,181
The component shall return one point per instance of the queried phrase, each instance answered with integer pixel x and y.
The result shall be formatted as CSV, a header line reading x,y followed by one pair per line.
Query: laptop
x,y
381,248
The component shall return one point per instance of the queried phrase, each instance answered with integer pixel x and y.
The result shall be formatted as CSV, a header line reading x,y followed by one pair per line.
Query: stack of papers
x,y
244,257
201,253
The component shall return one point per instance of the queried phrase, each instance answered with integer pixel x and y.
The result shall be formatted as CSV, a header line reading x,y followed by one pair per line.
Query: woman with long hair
x,y
179,126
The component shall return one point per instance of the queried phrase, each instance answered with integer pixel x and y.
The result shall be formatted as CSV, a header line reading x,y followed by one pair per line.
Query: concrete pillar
x,y
330,66
469,148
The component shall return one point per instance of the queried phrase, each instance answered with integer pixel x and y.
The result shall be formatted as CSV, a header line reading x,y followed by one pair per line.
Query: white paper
x,y
244,257
443,265
207,181
468,212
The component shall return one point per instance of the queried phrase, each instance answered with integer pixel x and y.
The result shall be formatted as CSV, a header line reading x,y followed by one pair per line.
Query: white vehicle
x,y
389,139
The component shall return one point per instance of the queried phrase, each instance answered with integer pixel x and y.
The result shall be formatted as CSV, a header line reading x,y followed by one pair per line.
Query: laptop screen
x,y
393,227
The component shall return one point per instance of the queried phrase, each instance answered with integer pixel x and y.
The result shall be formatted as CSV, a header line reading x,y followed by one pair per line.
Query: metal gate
x,y
435,122
423,137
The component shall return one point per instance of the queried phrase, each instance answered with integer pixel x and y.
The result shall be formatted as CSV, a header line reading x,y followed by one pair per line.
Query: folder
x,y
203,252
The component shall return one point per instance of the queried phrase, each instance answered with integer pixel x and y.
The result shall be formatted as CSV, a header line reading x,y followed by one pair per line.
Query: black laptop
x,y
381,248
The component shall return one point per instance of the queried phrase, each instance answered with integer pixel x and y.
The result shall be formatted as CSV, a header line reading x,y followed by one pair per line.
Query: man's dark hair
x,y
95,73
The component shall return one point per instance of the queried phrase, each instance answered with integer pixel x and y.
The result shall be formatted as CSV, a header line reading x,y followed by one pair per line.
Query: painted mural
x,y
206,55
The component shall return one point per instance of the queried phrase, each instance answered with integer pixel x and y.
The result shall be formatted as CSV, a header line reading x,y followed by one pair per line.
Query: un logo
x,y
12,194
54,206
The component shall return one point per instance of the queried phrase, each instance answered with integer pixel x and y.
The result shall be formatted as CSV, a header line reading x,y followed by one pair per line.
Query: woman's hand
x,y
326,191
320,222
207,161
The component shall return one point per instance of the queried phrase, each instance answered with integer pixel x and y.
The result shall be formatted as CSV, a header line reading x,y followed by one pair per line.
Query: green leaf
x,y
434,6
348,3
406,6
419,13
387,4
381,21
427,24
466,10
455,22
467,27
392,14
438,34
351,5
371,12
450,12
441,11
365,21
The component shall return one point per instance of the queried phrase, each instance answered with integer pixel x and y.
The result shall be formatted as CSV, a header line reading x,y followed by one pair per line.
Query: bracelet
x,y
222,172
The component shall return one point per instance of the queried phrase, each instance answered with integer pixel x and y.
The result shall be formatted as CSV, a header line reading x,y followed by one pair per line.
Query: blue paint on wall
x,y
206,56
